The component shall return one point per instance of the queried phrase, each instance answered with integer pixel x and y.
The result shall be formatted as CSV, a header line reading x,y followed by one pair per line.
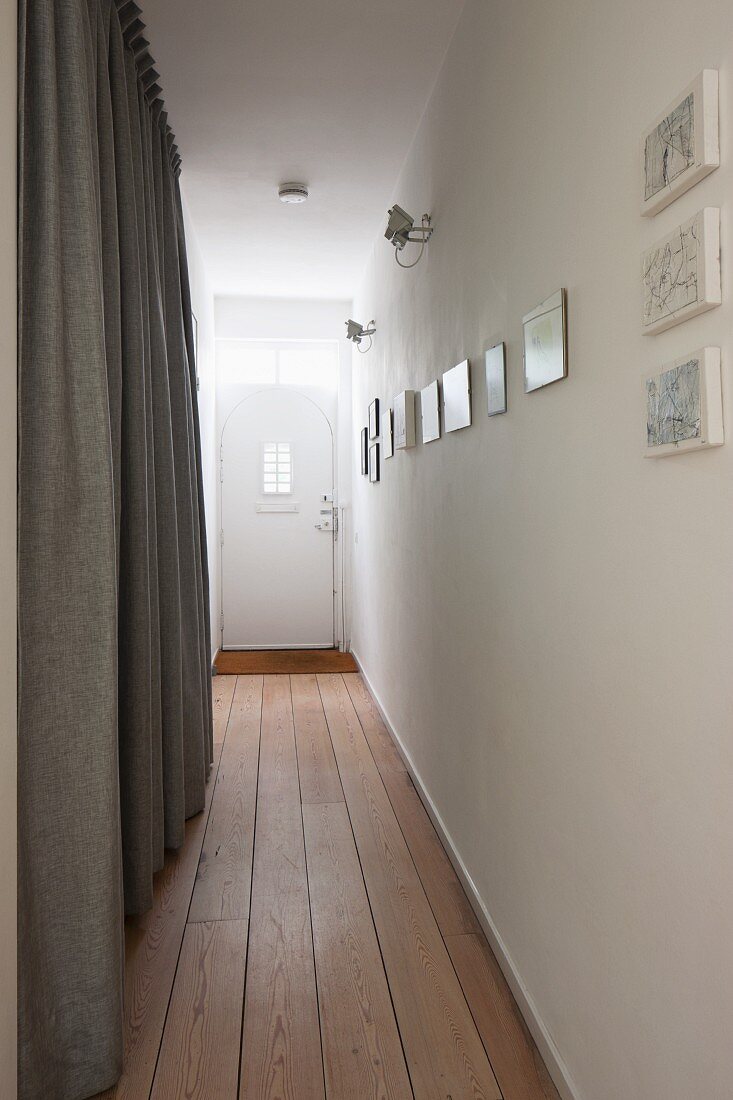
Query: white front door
x,y
277,528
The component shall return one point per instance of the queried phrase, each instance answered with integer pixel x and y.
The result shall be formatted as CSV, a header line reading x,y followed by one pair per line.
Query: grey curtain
x,y
115,690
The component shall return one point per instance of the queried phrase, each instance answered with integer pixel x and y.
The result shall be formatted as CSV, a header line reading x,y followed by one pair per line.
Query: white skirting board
x,y
545,1043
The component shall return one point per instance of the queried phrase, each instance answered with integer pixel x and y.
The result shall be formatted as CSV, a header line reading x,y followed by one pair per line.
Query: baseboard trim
x,y
540,1033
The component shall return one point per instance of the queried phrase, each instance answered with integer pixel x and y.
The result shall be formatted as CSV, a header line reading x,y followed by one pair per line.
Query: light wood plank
x,y
319,777
362,1054
519,1068
199,1056
224,876
281,1046
446,895
445,1055
279,856
152,945
222,693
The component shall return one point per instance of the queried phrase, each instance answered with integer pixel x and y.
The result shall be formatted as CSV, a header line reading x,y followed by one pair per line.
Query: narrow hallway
x,y
315,859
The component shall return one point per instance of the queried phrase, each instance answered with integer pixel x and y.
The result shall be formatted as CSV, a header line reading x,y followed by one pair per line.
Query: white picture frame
x,y
430,412
495,365
374,418
374,463
404,420
457,397
387,442
684,405
682,144
545,336
680,273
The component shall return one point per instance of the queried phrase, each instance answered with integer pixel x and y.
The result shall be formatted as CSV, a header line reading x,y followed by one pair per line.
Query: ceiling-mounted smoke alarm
x,y
292,192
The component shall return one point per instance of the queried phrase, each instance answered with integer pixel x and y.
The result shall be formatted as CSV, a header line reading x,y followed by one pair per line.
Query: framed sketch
x,y
387,433
457,397
365,451
404,420
496,379
546,342
681,273
195,327
684,405
681,146
374,462
374,419
430,410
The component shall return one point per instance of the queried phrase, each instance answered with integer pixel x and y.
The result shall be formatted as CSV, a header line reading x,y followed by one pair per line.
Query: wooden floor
x,y
311,939
245,662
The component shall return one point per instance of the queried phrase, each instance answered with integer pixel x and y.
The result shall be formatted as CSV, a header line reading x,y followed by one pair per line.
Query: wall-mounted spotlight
x,y
401,230
356,333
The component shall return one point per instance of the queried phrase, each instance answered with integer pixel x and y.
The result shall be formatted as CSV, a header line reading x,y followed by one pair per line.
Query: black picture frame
x,y
365,451
374,419
374,462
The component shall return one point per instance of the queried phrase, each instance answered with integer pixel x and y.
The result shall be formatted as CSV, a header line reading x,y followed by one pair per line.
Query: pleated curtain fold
x,y
115,732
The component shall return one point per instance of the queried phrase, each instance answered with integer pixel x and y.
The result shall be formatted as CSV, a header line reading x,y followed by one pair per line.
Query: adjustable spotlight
x,y
356,333
401,230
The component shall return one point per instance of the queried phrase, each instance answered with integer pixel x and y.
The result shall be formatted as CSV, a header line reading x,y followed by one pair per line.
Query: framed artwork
x,y
457,397
387,433
365,451
374,462
684,405
195,327
374,419
680,274
404,420
681,146
496,379
430,410
546,343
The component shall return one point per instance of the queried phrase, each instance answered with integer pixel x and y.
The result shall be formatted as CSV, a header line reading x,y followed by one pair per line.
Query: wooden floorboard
x,y
224,877
362,1053
284,662
281,1044
319,777
152,946
199,1056
445,1055
222,693
447,898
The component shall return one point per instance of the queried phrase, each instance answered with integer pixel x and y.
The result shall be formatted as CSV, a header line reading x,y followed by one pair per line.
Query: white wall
x,y
546,616
202,302
300,319
8,534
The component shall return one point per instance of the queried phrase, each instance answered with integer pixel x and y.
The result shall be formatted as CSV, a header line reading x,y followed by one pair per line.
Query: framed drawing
x,y
546,343
681,146
404,420
457,397
681,273
365,451
374,462
430,410
496,379
684,405
195,327
387,433
374,419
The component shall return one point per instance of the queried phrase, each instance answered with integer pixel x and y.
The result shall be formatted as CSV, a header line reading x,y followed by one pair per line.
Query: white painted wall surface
x,y
546,616
202,303
300,320
8,536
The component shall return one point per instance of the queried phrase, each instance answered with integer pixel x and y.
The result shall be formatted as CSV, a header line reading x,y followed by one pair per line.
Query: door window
x,y
277,468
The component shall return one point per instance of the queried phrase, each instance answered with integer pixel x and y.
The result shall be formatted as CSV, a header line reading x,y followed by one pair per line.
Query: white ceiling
x,y
328,92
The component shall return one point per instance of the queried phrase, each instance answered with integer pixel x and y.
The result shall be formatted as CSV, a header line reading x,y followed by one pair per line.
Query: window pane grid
x,y
277,469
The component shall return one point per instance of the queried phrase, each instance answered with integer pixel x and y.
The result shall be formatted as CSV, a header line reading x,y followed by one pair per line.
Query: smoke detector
x,y
292,192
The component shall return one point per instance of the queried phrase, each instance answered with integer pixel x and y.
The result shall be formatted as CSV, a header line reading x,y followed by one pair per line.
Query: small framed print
x,y
404,420
680,274
430,412
365,451
684,405
545,343
374,419
374,462
387,442
681,146
496,379
457,397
